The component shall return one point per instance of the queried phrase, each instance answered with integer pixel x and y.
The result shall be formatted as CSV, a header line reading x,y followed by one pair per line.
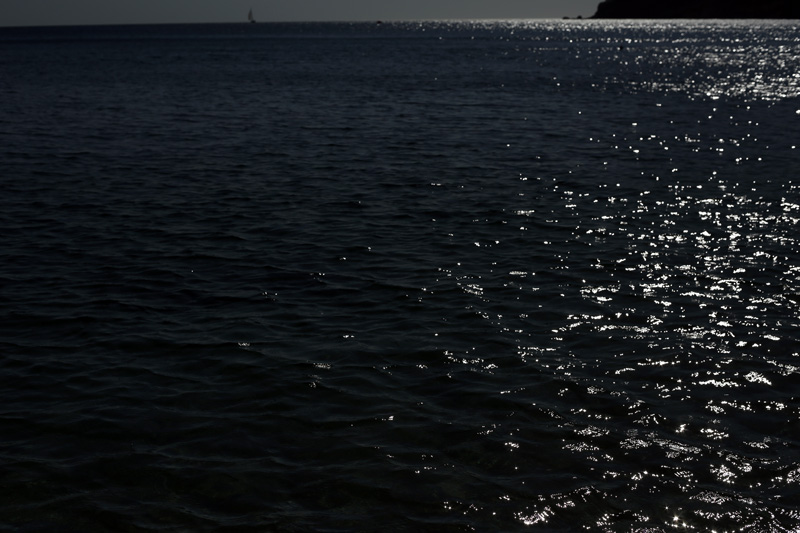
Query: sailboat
x,y
250,16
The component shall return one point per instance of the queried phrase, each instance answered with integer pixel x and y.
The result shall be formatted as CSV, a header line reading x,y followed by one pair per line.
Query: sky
x,y
77,12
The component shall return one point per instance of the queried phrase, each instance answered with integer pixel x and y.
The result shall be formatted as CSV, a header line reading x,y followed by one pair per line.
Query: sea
x,y
441,276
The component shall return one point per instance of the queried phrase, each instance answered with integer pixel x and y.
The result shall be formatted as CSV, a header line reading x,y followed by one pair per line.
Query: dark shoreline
x,y
717,9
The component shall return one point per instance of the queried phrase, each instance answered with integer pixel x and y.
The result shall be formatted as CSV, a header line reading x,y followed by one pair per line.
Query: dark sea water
x,y
473,276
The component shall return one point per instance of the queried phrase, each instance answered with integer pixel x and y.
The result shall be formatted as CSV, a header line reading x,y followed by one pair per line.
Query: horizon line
x,y
387,21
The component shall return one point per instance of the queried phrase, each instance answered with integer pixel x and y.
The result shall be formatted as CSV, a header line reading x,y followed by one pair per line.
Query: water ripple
x,y
433,276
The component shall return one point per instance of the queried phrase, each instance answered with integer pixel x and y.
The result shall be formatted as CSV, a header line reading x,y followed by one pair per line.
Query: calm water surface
x,y
474,276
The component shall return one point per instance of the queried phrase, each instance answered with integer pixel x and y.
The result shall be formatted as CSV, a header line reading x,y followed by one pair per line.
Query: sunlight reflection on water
x,y
465,275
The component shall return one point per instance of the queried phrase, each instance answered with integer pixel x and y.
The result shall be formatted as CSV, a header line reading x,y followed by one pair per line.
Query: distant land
x,y
698,9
